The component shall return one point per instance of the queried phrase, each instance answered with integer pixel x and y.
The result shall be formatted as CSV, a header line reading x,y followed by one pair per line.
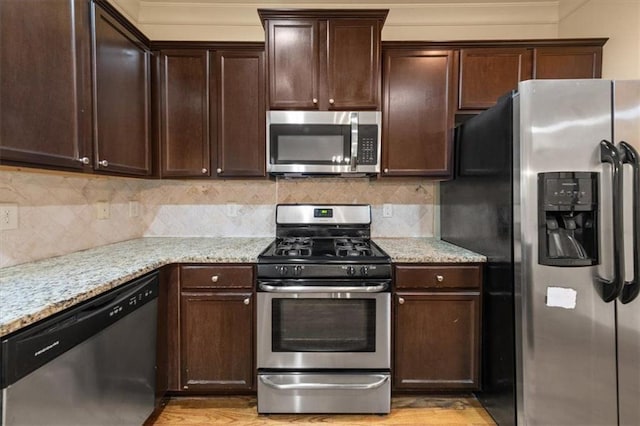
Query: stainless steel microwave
x,y
323,142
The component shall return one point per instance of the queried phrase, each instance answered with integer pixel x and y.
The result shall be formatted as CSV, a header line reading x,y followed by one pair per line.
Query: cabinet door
x,y
185,113
418,112
240,114
353,65
437,341
45,83
292,47
122,141
568,62
217,341
487,74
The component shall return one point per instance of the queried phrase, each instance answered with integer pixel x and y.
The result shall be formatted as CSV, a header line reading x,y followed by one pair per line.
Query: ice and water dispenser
x,y
568,218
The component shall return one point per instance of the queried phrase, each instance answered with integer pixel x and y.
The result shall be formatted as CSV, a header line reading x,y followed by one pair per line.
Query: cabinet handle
x,y
315,100
214,279
84,160
103,163
440,278
386,170
401,300
185,387
246,301
219,170
331,101
204,171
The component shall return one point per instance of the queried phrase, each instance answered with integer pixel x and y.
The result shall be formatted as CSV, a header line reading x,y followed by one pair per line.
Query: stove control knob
x,y
283,270
351,270
364,271
297,270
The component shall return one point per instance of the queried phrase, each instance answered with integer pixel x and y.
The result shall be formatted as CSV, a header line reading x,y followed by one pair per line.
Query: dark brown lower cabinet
x,y
216,341
437,341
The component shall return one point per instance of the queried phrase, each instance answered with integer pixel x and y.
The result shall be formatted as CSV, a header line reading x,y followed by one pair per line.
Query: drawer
x,y
236,276
422,276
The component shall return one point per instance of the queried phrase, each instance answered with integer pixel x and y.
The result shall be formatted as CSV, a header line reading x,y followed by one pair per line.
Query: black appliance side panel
x,y
477,214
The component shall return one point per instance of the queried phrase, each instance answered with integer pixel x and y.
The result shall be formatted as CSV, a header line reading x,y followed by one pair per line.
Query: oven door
x,y
324,330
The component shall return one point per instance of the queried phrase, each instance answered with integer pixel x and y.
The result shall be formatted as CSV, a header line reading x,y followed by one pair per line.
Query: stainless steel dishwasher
x,y
93,364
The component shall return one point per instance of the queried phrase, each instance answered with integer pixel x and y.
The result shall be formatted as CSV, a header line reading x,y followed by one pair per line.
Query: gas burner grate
x,y
294,246
352,247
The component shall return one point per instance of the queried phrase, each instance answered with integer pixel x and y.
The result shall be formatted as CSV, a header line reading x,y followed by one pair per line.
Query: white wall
x,y
617,19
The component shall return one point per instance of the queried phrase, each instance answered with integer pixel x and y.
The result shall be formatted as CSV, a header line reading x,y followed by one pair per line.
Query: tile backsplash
x,y
58,215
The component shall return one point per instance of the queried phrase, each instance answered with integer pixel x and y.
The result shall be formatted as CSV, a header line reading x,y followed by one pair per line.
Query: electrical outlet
x,y
134,208
387,210
8,216
102,210
232,210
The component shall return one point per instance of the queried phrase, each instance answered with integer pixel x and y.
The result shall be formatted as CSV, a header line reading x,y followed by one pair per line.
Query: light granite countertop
x,y
36,290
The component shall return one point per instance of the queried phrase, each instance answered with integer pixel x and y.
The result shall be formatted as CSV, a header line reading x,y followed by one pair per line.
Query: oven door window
x,y
310,144
324,325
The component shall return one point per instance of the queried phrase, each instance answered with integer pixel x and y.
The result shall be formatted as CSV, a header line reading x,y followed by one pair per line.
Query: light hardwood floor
x,y
406,410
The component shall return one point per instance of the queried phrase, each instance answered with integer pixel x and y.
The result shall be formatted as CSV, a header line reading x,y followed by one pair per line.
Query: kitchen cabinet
x,y
418,111
240,113
217,328
437,326
121,96
45,84
323,59
488,73
567,62
184,113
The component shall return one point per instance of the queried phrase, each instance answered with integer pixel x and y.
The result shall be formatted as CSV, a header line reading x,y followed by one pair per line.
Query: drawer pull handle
x,y
401,300
246,301
440,278
214,279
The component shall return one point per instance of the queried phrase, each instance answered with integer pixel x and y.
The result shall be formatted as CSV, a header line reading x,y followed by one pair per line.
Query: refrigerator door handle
x,y
609,290
631,289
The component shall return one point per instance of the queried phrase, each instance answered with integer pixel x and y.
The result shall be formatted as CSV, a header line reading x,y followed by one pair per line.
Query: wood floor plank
x,y
406,410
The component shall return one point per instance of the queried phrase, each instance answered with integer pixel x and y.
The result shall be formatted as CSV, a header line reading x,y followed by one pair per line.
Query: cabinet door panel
x,y
437,341
293,63
217,341
568,62
418,112
241,114
185,113
487,74
121,98
353,64
45,82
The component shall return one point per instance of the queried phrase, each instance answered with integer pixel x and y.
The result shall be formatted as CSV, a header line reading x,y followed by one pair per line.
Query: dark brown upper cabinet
x,y
487,74
121,97
184,113
45,84
239,113
418,111
323,59
567,62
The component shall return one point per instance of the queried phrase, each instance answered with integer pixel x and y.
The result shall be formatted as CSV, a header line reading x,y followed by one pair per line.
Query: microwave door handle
x,y
354,140
631,288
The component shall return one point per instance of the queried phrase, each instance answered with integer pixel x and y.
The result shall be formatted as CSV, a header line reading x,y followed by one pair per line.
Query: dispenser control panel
x,y
563,191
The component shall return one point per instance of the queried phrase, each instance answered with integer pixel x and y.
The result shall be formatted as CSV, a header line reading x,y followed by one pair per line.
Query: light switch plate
x,y
387,210
134,208
102,210
8,216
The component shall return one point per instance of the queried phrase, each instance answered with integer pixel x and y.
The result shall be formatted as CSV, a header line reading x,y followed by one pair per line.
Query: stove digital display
x,y
322,212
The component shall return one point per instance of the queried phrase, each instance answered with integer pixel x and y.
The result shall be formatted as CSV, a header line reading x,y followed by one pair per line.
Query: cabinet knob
x,y
331,101
315,100
440,278
103,163
386,170
84,160
401,300
204,171
214,279
185,387
219,170
246,301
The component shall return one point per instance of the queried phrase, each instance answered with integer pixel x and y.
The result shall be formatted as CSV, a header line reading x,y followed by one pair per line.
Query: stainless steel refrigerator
x,y
546,186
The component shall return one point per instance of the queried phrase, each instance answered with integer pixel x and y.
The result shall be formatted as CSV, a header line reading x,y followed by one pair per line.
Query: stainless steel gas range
x,y
324,314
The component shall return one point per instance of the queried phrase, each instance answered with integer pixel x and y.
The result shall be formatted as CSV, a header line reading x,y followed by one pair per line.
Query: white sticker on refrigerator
x,y
559,297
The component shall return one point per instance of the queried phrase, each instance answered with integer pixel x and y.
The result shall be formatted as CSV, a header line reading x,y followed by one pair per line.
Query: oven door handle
x,y
324,386
322,289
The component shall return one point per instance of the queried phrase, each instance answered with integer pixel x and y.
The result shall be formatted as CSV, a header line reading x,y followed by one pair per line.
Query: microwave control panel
x,y
368,144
